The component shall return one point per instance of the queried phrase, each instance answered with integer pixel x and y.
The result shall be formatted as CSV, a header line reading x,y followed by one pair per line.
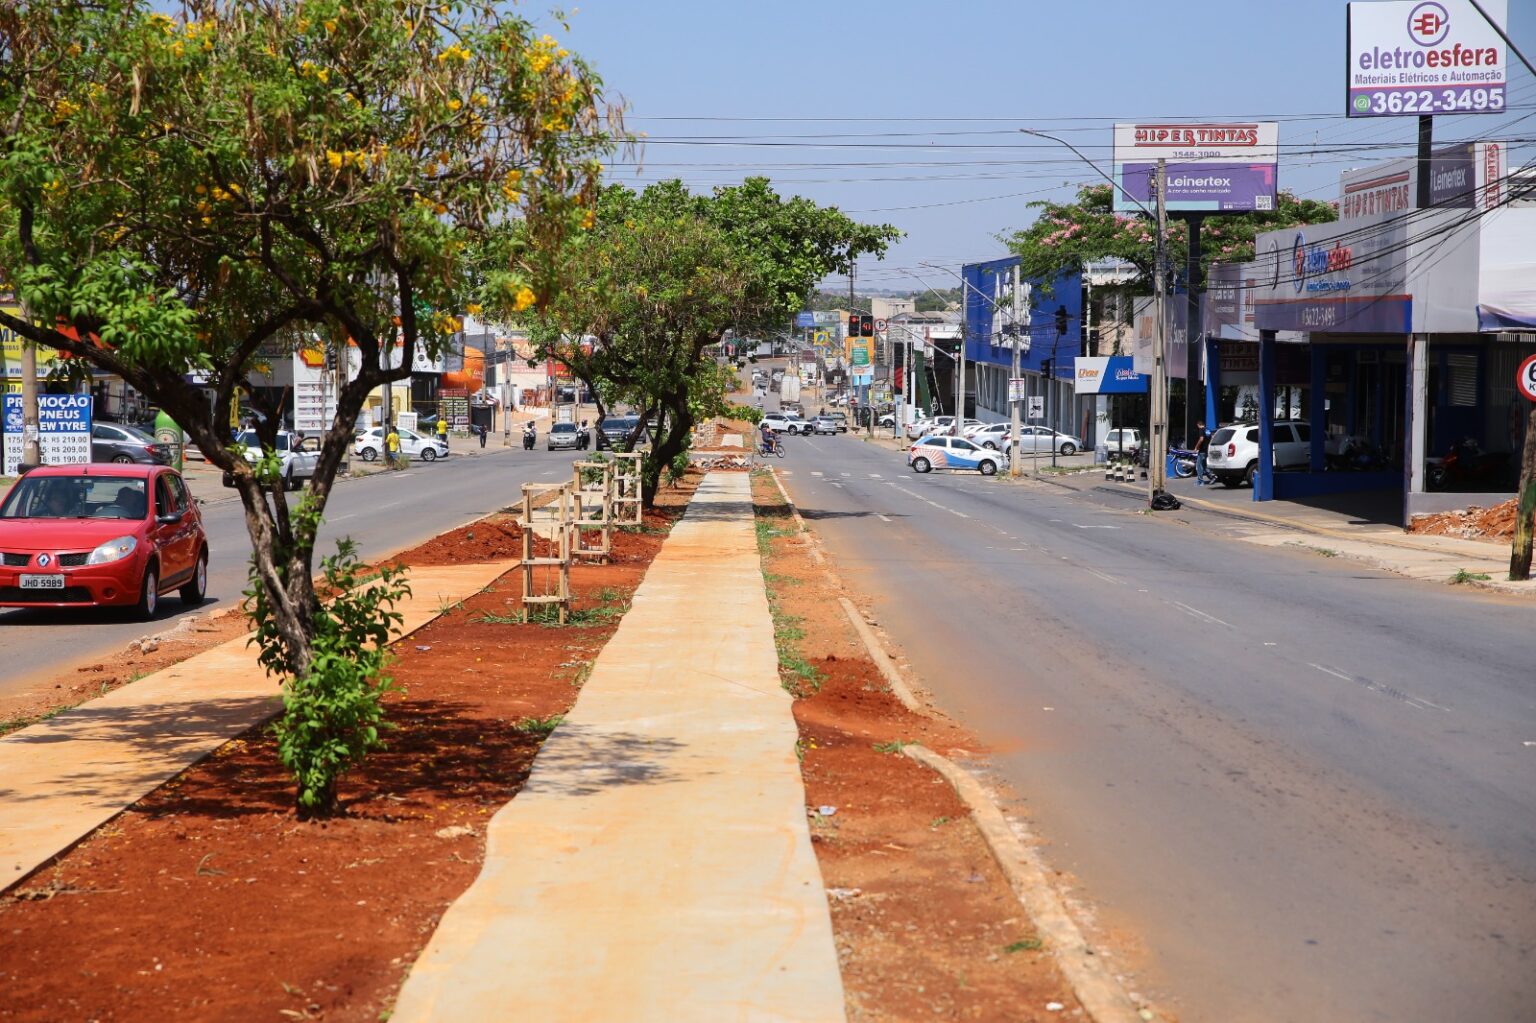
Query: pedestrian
x,y
442,429
392,447
1202,454
483,431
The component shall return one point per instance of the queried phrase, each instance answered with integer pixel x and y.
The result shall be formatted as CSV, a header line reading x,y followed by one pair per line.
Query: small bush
x,y
333,712
750,413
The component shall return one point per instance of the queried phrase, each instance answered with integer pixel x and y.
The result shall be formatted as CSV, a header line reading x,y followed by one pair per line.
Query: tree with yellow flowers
x,y
182,196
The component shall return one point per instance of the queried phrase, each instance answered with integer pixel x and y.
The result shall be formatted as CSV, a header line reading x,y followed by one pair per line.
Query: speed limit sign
x,y
1525,379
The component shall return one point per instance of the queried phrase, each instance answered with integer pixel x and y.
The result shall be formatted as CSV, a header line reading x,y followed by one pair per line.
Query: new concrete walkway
x,y
64,777
657,865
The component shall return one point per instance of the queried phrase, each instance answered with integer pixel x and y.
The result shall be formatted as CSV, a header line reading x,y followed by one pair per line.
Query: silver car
x,y
564,435
1034,439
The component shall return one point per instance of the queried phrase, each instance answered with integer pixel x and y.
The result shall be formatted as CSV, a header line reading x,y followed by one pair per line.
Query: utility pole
x,y
1014,425
954,427
31,441
1158,456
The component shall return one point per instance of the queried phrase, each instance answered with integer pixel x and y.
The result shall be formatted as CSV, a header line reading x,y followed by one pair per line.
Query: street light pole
x,y
1157,460
1015,425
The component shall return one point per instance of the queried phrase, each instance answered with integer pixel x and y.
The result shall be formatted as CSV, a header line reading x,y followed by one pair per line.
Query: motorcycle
x,y
1181,463
769,446
530,435
1355,454
1467,466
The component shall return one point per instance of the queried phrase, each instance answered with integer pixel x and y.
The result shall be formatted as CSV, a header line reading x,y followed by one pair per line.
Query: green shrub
x,y
333,709
750,413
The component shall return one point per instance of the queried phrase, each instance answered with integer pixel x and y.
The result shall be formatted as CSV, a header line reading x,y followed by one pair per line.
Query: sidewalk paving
x,y
64,777
657,865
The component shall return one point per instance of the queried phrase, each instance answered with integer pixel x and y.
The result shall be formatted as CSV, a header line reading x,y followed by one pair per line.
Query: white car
x,y
299,457
370,445
989,436
778,422
1122,441
1234,454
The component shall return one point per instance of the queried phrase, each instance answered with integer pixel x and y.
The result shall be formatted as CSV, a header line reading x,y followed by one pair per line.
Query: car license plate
x,y
42,582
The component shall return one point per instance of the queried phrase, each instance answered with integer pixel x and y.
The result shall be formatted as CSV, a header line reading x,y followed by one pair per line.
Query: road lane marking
x,y
882,518
875,476
1105,576
815,473
1195,612
962,514
1079,525
1383,689
845,475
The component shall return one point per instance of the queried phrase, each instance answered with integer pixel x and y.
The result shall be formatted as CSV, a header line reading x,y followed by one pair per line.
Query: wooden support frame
x,y
593,512
629,488
562,541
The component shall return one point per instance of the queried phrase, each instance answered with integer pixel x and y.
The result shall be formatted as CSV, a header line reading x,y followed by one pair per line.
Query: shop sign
x,y
1224,166
1414,57
1340,277
1115,374
64,429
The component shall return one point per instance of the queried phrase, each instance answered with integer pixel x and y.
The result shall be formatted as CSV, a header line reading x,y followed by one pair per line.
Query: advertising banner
x,y
1462,176
1226,166
64,430
1410,57
860,353
1114,374
1349,277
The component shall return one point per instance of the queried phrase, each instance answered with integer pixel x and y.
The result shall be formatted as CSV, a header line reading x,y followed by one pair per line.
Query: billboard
x,y
1411,57
1211,167
1464,176
64,430
1111,374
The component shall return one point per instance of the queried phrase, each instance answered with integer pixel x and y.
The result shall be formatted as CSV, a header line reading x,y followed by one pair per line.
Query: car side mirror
x,y
169,518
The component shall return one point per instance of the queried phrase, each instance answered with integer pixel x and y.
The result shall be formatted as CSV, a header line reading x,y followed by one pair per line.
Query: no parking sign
x,y
1525,379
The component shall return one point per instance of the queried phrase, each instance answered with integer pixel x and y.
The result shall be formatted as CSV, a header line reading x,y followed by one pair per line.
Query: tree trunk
x,y
679,424
1525,513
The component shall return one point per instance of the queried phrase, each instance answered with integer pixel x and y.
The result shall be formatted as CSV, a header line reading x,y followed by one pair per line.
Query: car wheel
x,y
149,593
197,587
289,483
988,467
990,446
1250,472
369,454
1229,482
921,465
1068,449
429,454
122,459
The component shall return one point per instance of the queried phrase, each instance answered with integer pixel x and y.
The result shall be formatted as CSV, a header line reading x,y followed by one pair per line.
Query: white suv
x,y
779,423
1234,454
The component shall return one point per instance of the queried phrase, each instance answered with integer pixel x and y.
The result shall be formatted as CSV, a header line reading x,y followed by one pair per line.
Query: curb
x,y
882,660
811,545
1095,987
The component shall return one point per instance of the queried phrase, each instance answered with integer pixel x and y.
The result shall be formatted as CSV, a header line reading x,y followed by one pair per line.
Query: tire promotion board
x,y
64,430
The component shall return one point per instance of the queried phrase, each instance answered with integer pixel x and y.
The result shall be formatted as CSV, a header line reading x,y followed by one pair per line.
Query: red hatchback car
x,y
108,535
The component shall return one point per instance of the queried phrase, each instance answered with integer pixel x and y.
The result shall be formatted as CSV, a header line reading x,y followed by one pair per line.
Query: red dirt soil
x,y
1495,525
209,900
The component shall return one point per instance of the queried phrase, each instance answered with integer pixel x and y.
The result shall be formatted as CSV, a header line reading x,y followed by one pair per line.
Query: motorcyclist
x,y
586,436
770,440
530,435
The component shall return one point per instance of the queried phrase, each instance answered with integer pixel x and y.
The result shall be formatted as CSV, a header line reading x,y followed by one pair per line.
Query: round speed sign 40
x,y
1525,379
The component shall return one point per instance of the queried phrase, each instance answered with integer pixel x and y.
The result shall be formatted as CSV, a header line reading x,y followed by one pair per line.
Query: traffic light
x,y
1061,321
900,375
866,326
1045,367
853,325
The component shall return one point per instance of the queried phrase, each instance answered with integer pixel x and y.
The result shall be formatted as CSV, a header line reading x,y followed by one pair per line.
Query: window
x,y
960,444
1303,432
164,504
178,492
933,442
103,432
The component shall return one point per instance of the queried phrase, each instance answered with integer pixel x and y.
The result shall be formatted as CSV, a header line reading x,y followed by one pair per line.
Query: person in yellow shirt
x,y
392,447
442,429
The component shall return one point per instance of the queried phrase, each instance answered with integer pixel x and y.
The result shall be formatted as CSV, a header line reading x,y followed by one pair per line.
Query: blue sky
x,y
931,95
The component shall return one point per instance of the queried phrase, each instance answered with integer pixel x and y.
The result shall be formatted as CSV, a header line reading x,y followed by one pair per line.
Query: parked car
x,y
825,425
81,536
1034,439
370,445
613,431
951,453
921,427
1122,440
119,442
781,423
989,435
1234,454
565,436
299,457
840,419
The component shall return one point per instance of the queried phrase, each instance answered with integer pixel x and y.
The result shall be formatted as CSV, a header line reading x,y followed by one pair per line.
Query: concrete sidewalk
x,y
657,865
64,777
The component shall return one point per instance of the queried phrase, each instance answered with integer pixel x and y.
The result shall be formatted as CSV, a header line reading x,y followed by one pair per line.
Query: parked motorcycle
x,y
1467,467
530,435
1181,463
1355,454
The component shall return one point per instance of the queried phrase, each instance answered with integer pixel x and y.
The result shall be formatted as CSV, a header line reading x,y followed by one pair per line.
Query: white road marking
x,y
882,518
1105,576
1195,612
815,473
1382,689
875,476
962,514
1079,525
845,475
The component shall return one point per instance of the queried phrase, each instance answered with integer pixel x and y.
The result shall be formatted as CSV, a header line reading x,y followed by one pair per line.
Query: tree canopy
x,y
1065,237
666,273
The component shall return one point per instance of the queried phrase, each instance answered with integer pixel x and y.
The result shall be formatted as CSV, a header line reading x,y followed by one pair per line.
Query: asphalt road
x,y
383,513
1308,787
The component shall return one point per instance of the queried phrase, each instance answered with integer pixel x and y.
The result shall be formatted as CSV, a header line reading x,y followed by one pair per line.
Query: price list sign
x,y
64,430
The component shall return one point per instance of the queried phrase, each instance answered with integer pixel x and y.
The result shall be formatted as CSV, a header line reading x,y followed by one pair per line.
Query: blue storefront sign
x,y
64,429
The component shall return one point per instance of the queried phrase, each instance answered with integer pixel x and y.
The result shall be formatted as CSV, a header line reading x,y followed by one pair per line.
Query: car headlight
x,y
112,550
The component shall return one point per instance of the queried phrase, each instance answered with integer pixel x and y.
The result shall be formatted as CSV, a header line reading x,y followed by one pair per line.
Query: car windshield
x,y
77,497
563,428
1222,436
249,439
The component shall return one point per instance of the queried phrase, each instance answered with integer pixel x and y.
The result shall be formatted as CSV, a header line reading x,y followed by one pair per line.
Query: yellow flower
x,y
455,103
589,219
324,75
333,158
525,298
539,61
473,309
64,108
330,26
